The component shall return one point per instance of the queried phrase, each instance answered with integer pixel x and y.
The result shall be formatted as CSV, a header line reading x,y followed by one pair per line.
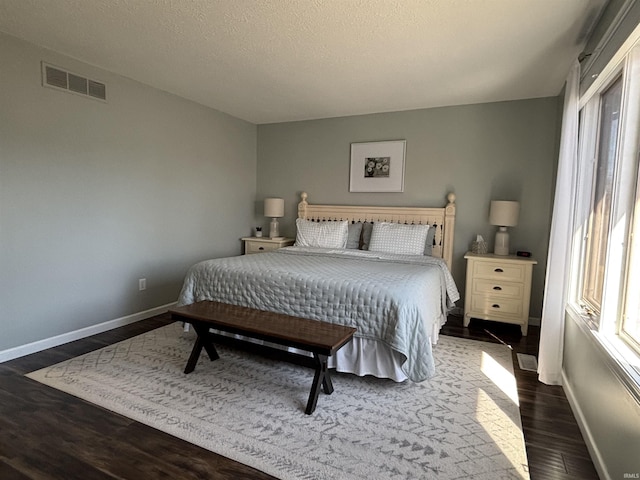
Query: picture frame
x,y
377,166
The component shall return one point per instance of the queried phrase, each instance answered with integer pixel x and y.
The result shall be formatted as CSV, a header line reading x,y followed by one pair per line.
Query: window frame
x,y
606,325
631,152
634,241
588,301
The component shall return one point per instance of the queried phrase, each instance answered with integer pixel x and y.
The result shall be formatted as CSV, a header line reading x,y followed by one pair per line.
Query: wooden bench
x,y
322,339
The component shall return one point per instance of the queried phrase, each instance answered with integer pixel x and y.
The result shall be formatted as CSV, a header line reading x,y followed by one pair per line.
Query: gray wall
x,y
94,196
505,150
610,414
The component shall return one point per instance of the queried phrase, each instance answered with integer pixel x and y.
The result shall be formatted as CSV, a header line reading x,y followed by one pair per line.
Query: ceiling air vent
x,y
55,77
60,79
97,90
77,84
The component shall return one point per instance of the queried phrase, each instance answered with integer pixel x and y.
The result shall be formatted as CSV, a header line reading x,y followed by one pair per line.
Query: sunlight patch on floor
x,y
500,376
503,431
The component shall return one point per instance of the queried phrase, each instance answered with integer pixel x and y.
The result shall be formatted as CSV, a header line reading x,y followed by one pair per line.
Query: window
x,y
598,230
607,253
630,328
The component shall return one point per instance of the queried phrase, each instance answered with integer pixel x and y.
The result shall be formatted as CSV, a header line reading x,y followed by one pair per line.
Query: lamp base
x,y
501,244
274,228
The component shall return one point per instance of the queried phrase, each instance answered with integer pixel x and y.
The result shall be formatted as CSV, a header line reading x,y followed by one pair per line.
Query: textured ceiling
x,y
280,60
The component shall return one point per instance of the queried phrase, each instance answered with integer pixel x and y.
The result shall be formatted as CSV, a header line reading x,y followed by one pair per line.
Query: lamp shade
x,y
504,213
274,207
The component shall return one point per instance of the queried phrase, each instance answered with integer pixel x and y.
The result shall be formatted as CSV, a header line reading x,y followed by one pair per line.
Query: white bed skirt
x,y
364,356
361,356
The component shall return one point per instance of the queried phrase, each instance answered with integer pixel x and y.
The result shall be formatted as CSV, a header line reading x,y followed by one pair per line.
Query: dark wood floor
x,y
47,434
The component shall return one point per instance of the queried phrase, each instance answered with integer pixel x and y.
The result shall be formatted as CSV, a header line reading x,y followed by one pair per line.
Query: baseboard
x,y
38,346
584,428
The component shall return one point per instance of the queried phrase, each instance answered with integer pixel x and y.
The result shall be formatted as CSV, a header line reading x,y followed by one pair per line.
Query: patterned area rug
x,y
464,423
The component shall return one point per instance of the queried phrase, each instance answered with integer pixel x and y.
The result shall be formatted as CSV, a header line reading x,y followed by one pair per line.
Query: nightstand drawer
x,y
260,247
496,306
498,288
499,271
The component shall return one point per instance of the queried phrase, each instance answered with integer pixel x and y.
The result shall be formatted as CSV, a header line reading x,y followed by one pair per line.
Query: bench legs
x,y
322,376
202,341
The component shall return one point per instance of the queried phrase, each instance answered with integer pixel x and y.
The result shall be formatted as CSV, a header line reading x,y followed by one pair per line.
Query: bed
x,y
396,296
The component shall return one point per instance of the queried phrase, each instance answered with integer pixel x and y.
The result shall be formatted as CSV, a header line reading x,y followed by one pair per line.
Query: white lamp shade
x,y
274,207
504,213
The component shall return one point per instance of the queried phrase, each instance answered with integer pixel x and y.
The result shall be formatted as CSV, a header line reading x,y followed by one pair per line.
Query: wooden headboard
x,y
442,218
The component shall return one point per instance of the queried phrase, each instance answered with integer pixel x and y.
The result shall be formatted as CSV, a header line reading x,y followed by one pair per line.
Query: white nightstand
x,y
498,288
265,244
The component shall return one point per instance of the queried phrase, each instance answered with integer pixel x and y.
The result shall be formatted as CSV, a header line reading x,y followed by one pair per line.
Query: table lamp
x,y
274,209
503,214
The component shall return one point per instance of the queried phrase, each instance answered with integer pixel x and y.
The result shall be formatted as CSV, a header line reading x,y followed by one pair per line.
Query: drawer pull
x,y
260,248
499,270
497,288
495,305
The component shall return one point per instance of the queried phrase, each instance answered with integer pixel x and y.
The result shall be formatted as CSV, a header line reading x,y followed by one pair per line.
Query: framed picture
x,y
377,166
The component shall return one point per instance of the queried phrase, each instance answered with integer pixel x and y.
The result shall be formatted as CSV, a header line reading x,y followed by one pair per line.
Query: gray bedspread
x,y
396,299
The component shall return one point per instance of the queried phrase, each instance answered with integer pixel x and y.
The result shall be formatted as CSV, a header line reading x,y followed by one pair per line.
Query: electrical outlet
x,y
142,284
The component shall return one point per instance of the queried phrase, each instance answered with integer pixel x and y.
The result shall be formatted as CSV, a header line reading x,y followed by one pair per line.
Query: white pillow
x,y
398,238
321,234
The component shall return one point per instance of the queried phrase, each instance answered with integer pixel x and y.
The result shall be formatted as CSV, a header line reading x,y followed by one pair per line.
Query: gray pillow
x,y
353,237
428,246
367,228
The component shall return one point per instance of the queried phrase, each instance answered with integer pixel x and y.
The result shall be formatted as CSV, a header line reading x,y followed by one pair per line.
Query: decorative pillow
x,y
353,238
321,234
428,246
398,238
366,235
